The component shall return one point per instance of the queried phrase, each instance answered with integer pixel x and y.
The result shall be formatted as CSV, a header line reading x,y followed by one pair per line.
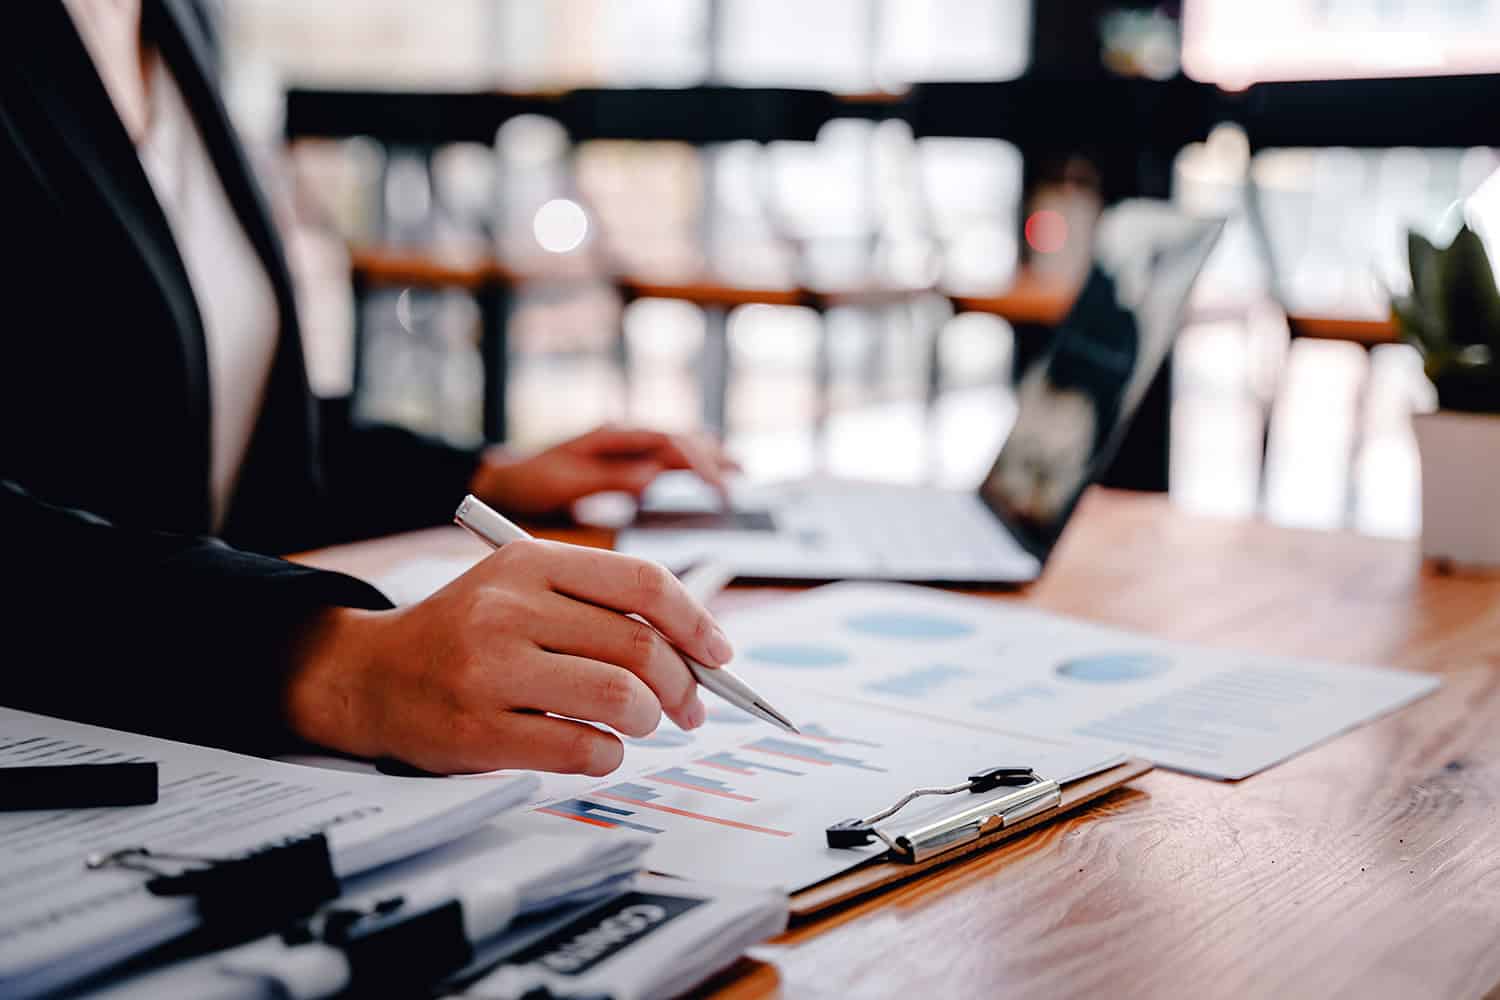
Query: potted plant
x,y
1452,316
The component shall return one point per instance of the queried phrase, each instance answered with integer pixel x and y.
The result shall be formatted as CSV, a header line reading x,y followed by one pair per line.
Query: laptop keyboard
x,y
922,529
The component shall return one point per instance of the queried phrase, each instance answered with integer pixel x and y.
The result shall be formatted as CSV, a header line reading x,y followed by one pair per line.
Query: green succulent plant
x,y
1453,317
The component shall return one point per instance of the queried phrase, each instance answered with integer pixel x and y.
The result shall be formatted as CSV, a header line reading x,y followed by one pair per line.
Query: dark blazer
x,y
126,613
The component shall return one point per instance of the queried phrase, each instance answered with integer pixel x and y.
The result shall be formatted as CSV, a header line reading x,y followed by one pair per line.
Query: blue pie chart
x,y
1114,668
901,625
806,655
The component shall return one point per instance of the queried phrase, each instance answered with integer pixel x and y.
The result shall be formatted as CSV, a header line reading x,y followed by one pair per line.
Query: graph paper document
x,y
1007,667
739,803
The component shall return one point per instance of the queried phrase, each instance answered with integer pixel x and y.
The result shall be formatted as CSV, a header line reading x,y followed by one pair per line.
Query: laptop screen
x,y
1076,402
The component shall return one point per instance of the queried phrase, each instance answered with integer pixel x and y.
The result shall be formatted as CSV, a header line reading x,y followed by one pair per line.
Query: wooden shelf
x,y
1031,298
1367,332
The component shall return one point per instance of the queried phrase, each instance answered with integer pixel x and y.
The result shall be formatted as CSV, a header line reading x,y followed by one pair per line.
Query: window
x,y
1236,43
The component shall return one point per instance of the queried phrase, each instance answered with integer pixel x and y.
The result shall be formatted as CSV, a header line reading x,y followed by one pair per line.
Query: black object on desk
x,y
77,786
241,896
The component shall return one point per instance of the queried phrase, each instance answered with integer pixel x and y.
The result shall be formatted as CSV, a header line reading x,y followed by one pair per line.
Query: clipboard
x,y
1039,806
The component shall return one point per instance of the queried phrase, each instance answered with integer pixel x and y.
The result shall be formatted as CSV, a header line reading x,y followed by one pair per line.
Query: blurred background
x,y
835,231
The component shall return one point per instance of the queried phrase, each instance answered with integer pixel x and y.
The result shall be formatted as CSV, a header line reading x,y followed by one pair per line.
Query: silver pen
x,y
496,530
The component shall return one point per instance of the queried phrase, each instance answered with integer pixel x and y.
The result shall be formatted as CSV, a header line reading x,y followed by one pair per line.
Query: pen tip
x,y
771,715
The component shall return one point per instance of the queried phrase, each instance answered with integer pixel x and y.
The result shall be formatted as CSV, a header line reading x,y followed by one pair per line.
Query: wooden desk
x,y
1369,866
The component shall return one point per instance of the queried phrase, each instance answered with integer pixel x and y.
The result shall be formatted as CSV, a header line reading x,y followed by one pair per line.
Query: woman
x,y
159,435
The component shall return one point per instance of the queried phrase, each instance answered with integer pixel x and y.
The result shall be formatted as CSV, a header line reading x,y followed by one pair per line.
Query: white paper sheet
x,y
741,803
1007,667
58,920
418,579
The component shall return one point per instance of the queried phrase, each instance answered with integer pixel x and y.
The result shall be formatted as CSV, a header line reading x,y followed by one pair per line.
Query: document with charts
x,y
1007,667
741,803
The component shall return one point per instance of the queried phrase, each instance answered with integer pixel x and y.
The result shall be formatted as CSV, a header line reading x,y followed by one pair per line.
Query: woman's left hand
x,y
606,459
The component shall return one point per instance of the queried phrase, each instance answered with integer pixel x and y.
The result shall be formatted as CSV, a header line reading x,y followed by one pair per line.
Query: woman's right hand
x,y
475,677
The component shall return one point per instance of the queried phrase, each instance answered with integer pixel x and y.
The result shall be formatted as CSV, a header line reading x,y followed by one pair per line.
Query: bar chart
x,y
698,776
726,761
805,754
731,788
646,797
740,803
596,814
681,777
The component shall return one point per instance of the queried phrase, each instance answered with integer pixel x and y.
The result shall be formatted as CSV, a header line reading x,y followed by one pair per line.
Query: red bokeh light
x,y
1046,231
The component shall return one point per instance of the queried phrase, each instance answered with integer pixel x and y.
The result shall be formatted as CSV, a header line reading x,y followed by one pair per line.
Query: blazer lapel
x,y
172,28
284,453
68,88
281,467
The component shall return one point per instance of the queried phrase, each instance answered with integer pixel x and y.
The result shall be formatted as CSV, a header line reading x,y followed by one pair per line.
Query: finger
x,y
686,452
547,743
598,476
620,441
583,630
715,447
709,456
633,585
700,454
703,458
630,477
729,462
583,688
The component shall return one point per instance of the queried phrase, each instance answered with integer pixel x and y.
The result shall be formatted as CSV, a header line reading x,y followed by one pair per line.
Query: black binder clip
x,y
396,947
250,894
1031,795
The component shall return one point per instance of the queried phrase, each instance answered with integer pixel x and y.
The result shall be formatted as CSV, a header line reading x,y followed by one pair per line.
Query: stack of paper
x,y
661,939
60,922
523,878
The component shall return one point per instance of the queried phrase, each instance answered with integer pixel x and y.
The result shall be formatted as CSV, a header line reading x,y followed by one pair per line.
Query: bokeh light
x,y
560,225
1046,231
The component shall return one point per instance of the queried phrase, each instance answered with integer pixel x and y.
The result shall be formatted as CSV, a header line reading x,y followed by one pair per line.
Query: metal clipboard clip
x,y
1028,794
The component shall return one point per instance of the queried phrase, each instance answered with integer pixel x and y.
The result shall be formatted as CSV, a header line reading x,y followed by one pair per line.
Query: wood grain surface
x,y
1369,866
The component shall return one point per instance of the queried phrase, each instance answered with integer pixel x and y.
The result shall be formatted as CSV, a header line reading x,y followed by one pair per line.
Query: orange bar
x,y
693,815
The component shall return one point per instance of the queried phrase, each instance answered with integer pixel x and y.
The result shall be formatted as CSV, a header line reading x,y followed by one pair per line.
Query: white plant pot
x,y
1460,455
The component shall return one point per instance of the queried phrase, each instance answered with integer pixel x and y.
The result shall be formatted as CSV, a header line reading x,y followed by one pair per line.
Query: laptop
x,y
1073,408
